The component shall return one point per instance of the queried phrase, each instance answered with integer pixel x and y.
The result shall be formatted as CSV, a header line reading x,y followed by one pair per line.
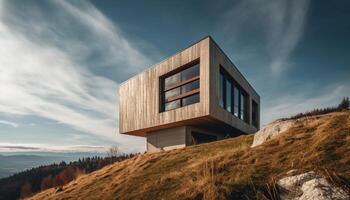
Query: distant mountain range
x,y
11,163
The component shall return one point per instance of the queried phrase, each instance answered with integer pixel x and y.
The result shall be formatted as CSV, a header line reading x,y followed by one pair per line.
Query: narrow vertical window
x,y
232,97
236,101
221,90
242,114
228,95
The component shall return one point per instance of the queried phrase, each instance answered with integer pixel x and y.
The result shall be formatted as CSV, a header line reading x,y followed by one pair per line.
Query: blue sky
x,y
61,61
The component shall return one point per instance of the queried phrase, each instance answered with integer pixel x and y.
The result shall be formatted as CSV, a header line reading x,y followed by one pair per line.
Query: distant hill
x,y
56,174
17,162
227,169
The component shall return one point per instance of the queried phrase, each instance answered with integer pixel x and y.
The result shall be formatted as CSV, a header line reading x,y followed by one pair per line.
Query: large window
x,y
180,88
232,97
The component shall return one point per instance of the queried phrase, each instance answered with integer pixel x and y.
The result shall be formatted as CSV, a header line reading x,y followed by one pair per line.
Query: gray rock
x,y
271,130
292,181
310,186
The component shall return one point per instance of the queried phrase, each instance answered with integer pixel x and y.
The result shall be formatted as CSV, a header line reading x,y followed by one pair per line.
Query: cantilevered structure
x,y
195,96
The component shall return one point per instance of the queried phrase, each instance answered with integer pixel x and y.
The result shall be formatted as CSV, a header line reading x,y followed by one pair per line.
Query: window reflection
x,y
179,77
190,72
236,101
172,93
172,80
242,114
190,86
181,88
172,105
228,87
228,95
190,100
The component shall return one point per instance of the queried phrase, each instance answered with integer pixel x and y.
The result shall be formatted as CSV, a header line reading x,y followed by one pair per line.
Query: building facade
x,y
194,96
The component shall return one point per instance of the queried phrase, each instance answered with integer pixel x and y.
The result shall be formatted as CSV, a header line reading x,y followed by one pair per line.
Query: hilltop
x,y
226,169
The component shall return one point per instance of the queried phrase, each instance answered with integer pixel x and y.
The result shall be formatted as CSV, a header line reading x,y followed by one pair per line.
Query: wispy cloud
x,y
44,65
266,33
5,122
11,147
111,44
282,23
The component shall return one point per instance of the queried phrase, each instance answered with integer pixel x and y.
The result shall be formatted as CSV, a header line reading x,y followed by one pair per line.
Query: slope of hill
x,y
227,169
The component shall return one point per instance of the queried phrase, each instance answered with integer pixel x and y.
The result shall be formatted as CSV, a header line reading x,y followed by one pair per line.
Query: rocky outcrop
x,y
310,186
271,130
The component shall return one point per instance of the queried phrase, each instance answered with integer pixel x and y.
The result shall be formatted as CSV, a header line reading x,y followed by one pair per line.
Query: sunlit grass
x,y
222,169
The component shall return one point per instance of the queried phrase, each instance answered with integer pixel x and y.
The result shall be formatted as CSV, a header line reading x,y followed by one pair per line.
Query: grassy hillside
x,y
223,169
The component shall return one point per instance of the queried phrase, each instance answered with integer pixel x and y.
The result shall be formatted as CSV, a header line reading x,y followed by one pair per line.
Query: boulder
x,y
310,186
272,130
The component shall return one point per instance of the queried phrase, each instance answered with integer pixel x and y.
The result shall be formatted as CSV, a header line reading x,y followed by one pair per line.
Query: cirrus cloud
x,y
45,66
280,22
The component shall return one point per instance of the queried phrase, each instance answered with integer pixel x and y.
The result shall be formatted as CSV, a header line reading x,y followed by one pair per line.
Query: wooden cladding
x,y
180,88
143,97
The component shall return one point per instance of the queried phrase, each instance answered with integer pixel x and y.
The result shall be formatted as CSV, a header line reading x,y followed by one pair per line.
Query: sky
x,y
61,62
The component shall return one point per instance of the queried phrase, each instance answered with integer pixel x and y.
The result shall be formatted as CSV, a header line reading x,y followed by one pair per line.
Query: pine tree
x,y
345,103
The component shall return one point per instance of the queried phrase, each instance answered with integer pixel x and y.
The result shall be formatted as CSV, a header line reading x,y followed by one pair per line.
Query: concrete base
x,y
179,137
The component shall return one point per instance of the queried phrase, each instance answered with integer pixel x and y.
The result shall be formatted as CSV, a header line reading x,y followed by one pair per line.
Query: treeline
x,y
34,180
344,105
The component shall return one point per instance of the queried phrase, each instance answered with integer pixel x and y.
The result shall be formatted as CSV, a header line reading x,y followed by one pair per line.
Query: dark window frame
x,y
181,96
241,91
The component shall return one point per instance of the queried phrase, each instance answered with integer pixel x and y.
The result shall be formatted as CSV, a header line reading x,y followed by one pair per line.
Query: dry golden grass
x,y
223,169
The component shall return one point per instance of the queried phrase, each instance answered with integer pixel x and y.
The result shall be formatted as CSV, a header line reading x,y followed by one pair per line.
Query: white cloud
x,y
281,21
5,122
18,147
115,47
43,71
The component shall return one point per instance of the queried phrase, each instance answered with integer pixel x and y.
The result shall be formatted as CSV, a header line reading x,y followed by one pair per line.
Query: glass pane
x,y
242,107
190,72
221,90
172,93
172,105
172,80
190,100
190,86
228,95
236,101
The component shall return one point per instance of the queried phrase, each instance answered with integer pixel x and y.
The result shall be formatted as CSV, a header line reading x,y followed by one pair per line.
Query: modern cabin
x,y
195,96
